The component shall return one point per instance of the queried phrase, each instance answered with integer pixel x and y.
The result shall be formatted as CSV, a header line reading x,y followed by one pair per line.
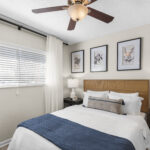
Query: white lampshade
x,y
73,83
77,12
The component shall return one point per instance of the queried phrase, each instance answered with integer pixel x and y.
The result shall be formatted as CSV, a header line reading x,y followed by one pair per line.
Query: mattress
x,y
134,128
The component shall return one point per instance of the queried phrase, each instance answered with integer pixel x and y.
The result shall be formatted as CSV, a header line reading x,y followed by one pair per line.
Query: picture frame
x,y
77,61
129,55
99,59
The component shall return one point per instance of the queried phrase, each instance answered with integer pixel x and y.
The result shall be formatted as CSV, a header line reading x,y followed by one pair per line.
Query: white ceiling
x,y
127,13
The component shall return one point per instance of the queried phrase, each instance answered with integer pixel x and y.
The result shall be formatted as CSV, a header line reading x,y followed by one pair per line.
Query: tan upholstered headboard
x,y
124,86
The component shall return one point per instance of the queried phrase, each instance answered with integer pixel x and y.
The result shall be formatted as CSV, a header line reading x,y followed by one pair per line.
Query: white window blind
x,y
21,67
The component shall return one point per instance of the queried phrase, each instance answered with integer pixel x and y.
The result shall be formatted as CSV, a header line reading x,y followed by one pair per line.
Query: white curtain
x,y
54,75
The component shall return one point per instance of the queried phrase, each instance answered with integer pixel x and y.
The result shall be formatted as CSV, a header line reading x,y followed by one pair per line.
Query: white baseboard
x,y
4,143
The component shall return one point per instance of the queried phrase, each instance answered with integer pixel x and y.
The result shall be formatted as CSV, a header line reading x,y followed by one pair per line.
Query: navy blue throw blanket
x,y
69,135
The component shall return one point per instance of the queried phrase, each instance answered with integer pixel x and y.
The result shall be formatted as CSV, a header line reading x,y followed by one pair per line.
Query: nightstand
x,y
69,102
148,119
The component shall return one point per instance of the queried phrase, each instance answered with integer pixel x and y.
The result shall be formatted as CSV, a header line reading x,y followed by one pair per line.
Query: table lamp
x,y
73,83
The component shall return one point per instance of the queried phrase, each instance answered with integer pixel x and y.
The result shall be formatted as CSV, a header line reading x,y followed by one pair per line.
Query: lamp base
x,y
73,95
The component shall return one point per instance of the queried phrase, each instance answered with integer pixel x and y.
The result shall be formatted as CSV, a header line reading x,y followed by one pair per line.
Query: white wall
x,y
112,40
30,101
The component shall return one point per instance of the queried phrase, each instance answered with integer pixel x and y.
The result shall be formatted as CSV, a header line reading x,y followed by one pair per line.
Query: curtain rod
x,y
22,27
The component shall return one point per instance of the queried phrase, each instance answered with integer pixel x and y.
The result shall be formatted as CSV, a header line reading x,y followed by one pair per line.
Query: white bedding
x,y
133,128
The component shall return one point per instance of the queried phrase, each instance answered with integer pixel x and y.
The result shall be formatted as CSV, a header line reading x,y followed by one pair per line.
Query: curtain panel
x,y
54,75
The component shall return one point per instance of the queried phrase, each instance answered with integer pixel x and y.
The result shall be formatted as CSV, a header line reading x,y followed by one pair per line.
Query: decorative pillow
x,y
132,104
110,105
124,94
103,95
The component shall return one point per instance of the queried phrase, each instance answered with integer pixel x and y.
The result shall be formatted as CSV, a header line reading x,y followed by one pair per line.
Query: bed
x,y
131,127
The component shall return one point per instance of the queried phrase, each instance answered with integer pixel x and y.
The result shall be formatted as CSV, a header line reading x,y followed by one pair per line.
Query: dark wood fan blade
x,y
92,1
100,15
72,25
49,9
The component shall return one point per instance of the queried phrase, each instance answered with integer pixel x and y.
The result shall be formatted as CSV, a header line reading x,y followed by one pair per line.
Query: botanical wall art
x,y
77,61
98,59
129,55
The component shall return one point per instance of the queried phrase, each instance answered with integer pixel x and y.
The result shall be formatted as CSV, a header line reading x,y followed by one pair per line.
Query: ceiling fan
x,y
77,10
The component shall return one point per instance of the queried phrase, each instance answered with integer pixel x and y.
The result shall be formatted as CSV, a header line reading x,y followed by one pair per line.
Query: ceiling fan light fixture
x,y
77,12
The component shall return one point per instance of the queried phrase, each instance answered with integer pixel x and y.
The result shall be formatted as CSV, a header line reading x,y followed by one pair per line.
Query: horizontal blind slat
x,y
20,67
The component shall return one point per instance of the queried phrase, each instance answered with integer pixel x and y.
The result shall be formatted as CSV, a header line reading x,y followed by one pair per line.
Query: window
x,y
20,67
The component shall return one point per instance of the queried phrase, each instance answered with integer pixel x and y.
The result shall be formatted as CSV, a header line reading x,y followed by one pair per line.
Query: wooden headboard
x,y
124,86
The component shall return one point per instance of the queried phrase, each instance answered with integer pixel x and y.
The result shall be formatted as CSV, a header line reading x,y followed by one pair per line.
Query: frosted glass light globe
x,y
77,11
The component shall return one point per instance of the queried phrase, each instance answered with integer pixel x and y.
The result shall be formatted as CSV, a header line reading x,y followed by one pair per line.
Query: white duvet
x,y
133,128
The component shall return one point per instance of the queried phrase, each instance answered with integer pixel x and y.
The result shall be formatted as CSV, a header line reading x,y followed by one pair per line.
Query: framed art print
x,y
77,61
98,59
129,55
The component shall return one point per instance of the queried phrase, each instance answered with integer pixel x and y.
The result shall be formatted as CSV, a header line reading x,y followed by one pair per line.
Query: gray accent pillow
x,y
110,105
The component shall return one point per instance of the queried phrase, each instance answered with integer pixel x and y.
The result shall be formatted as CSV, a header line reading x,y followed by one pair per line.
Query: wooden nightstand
x,y
69,102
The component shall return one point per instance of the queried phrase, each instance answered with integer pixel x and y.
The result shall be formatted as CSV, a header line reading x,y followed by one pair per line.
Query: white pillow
x,y
103,95
124,94
140,98
132,104
127,94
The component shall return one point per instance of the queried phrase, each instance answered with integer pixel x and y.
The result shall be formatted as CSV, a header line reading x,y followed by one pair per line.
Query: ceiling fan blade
x,y
100,15
50,9
90,2
72,25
